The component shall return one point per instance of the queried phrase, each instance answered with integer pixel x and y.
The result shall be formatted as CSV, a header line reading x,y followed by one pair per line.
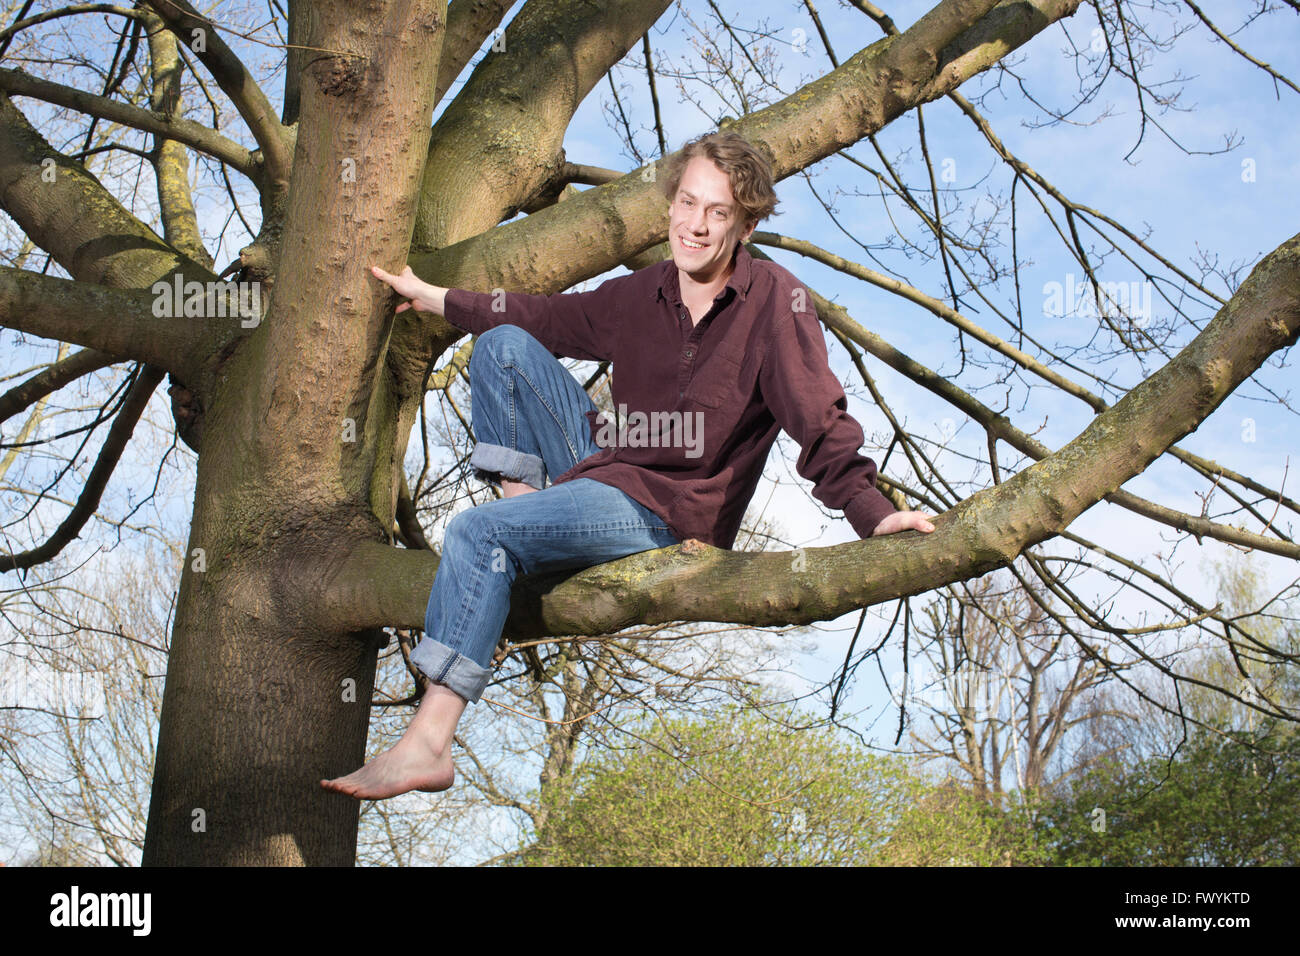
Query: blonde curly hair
x,y
748,169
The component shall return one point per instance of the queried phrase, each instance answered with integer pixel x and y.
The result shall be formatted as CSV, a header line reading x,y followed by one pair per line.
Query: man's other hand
x,y
901,521
424,297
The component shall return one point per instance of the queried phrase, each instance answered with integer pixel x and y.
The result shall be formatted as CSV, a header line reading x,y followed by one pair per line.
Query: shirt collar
x,y
742,276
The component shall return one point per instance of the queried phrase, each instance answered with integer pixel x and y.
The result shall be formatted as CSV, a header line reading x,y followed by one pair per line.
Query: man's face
x,y
704,222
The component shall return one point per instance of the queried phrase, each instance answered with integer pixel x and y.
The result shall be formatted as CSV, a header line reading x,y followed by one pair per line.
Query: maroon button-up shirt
x,y
699,407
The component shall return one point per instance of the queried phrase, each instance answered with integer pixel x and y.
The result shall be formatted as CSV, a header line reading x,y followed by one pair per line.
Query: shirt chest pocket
x,y
716,382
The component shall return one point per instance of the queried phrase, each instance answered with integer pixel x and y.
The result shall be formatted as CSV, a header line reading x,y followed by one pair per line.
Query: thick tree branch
x,y
171,162
469,23
996,343
499,141
237,83
1000,427
65,210
119,322
868,91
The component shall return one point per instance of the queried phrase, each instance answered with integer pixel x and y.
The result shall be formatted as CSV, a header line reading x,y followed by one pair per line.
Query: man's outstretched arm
x,y
581,325
809,404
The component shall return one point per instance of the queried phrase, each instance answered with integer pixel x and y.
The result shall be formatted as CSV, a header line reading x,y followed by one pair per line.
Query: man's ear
x,y
749,230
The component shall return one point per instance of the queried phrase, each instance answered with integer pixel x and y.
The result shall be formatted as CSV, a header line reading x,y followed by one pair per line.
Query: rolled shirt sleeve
x,y
810,405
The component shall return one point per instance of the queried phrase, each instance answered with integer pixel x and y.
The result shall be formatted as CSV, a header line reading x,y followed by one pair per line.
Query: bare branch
x,y
109,455
52,379
1237,49
193,134
44,16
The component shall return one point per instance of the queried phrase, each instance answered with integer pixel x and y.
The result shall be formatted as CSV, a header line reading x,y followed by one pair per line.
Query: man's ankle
x,y
512,489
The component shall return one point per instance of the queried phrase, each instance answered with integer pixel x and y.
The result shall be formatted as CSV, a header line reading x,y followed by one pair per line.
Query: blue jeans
x,y
529,416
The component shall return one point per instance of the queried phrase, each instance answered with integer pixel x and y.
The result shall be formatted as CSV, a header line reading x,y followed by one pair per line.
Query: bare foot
x,y
409,765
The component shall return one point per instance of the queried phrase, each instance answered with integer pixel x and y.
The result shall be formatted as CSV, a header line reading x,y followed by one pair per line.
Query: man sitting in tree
x,y
714,352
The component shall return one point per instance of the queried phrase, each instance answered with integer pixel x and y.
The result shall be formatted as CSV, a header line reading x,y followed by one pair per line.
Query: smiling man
x,y
714,353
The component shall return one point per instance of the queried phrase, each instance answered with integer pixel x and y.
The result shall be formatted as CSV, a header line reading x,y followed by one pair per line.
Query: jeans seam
x,y
549,530
451,659
541,398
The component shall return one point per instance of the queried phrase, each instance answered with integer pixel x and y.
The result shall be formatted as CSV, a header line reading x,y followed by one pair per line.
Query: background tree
x,y
1218,801
736,790
300,401
1216,789
997,684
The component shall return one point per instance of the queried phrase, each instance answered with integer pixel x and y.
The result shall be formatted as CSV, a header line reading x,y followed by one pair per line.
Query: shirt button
x,y
689,353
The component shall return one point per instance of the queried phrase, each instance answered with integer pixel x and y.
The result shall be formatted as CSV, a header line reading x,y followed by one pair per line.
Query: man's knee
x,y
504,344
476,531
467,529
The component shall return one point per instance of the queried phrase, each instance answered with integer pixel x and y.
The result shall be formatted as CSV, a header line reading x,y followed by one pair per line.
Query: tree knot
x,y
337,75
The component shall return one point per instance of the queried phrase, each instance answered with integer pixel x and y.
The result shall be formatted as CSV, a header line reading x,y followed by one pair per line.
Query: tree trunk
x,y
265,696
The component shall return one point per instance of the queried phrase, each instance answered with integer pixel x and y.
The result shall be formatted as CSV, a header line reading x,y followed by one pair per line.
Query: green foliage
x,y
1219,802
1227,795
741,790
949,825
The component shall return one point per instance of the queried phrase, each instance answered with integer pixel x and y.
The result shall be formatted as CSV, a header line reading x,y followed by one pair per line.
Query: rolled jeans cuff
x,y
453,670
490,461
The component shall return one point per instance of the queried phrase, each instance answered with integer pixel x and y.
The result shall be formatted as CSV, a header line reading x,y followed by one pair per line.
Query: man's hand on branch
x,y
423,296
902,521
